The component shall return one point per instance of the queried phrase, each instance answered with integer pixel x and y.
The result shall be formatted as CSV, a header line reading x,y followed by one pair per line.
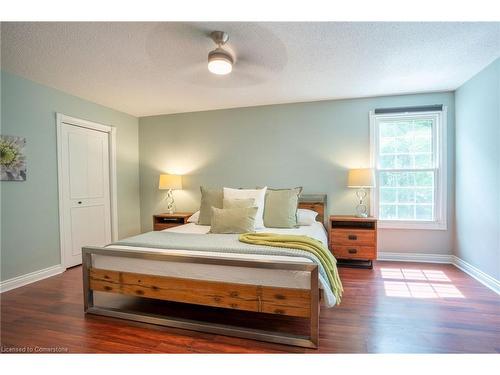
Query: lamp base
x,y
362,215
170,202
361,208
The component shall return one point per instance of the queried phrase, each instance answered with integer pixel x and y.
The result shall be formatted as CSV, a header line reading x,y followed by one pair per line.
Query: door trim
x,y
65,119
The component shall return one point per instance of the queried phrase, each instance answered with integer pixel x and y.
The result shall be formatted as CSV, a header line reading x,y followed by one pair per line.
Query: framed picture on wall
x,y
12,158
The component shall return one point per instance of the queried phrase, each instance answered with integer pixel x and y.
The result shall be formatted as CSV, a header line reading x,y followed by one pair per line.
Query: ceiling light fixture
x,y
220,61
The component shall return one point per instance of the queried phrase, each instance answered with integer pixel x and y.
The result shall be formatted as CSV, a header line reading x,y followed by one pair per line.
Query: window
x,y
409,157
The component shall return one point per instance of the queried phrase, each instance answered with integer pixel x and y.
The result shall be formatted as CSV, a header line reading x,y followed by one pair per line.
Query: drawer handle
x,y
352,237
352,251
168,220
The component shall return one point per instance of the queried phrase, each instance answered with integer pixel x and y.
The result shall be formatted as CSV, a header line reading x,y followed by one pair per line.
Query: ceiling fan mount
x,y
220,61
219,37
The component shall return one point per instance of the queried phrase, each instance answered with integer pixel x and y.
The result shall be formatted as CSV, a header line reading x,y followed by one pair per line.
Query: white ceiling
x,y
157,68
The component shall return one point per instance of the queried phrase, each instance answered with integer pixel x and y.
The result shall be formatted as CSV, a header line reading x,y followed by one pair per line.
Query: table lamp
x,y
362,179
170,182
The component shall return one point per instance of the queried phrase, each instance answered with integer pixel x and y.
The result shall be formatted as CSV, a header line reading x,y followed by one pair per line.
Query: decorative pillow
x,y
280,210
194,217
257,194
306,217
233,220
238,203
209,198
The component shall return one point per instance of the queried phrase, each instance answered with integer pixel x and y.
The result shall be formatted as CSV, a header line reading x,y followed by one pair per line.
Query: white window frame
x,y
440,177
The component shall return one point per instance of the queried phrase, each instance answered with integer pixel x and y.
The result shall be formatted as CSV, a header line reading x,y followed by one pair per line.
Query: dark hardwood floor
x,y
394,308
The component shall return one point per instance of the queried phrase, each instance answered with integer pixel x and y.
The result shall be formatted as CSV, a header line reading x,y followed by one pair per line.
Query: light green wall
x,y
478,171
30,221
304,144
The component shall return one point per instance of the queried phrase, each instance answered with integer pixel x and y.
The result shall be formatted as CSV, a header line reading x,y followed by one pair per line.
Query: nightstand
x,y
353,240
165,221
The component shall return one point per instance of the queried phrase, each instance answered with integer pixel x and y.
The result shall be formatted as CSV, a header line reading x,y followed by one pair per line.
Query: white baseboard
x,y
476,273
415,257
461,264
29,278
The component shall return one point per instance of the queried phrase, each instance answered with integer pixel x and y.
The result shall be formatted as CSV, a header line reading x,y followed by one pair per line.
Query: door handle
x,y
352,237
79,202
352,251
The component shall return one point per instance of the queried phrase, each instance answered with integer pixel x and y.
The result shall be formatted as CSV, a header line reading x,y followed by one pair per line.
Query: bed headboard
x,y
315,202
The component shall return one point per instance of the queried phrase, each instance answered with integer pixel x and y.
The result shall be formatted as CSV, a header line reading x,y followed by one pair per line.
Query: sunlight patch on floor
x,y
413,274
418,283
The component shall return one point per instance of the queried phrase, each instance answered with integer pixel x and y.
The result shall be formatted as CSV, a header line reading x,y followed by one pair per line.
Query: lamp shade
x,y
170,181
361,178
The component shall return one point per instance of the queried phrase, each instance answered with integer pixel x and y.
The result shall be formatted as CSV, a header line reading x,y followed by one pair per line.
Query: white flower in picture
x,y
12,159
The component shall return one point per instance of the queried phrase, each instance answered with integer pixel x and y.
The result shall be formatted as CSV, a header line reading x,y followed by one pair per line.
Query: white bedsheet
x,y
243,275
316,230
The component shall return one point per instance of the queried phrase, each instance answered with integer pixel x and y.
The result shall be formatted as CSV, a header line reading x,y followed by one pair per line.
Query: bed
x,y
269,283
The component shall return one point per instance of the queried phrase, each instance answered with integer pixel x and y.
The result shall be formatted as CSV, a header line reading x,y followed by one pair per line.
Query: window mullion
x,y
406,169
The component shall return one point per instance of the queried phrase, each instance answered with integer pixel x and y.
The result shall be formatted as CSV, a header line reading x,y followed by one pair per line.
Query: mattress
x,y
231,274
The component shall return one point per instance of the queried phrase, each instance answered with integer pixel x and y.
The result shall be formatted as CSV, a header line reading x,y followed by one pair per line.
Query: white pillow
x,y
258,194
194,217
306,217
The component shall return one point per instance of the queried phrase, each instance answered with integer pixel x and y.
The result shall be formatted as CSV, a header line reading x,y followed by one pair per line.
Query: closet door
x,y
86,207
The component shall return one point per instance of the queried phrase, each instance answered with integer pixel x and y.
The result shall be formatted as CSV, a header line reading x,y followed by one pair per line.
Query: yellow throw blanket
x,y
304,243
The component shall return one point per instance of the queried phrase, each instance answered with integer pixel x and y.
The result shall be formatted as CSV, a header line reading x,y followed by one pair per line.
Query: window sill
x,y
418,225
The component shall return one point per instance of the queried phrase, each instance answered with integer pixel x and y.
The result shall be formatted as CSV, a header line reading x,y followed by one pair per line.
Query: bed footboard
x,y
303,303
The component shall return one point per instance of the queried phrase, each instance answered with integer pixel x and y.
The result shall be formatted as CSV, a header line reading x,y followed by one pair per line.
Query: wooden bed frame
x,y
302,303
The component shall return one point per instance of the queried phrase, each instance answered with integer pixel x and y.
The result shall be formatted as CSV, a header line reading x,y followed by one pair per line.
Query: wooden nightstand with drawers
x,y
353,240
165,221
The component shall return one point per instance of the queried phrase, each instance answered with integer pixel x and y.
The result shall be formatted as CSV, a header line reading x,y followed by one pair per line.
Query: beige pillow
x,y
280,210
209,198
257,194
238,203
233,220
